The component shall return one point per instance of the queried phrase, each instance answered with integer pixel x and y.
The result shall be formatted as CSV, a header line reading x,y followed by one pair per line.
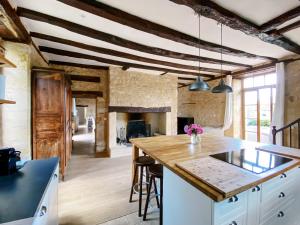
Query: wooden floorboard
x,y
96,190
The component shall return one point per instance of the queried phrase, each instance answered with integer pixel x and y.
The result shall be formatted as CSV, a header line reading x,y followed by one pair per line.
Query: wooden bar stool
x,y
155,171
142,162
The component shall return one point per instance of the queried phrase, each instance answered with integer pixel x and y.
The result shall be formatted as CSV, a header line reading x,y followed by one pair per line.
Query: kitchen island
x,y
202,190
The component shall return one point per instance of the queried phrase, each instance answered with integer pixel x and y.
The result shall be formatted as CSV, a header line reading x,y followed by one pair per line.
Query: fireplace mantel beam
x,y
130,109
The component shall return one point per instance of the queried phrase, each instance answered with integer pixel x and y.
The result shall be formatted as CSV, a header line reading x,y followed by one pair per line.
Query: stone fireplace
x,y
135,122
151,97
134,125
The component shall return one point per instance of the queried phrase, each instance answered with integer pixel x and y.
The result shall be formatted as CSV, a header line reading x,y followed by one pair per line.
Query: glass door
x,y
265,106
251,115
259,99
258,107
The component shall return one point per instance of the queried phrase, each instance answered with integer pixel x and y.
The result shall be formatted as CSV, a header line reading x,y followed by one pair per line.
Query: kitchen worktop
x,y
21,192
178,155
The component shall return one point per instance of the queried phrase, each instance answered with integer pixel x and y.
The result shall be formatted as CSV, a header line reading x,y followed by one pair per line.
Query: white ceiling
x,y
169,14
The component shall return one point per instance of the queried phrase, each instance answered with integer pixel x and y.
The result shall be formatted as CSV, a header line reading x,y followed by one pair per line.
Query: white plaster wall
x,y
15,120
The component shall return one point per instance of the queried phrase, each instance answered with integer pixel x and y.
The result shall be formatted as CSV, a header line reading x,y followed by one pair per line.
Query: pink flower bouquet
x,y
193,129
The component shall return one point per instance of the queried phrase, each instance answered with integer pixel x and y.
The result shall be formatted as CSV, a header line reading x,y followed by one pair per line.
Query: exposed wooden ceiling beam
x,y
215,78
139,58
277,21
254,69
87,94
164,73
141,24
263,67
288,28
13,22
125,68
213,11
89,32
84,78
39,52
88,66
185,85
186,78
180,83
116,62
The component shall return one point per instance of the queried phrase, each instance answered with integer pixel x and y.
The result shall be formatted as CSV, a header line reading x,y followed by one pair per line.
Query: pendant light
x,y
199,84
222,87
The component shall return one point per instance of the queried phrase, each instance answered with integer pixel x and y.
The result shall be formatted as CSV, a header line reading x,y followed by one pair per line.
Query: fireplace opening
x,y
136,129
137,125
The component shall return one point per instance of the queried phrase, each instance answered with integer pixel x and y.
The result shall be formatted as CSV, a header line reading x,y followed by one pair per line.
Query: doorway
x,y
84,127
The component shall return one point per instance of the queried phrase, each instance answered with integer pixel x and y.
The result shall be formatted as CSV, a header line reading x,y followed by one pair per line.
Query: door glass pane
x,y
248,82
273,95
270,79
265,114
251,115
259,81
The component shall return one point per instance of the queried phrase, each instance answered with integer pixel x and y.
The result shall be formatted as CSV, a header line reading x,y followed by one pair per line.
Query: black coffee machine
x,y
8,160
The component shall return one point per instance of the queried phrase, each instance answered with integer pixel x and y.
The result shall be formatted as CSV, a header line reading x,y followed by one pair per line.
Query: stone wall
x,y
292,92
206,108
15,120
137,89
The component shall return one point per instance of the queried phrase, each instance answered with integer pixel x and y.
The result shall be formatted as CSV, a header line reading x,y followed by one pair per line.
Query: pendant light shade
x,y
199,85
222,88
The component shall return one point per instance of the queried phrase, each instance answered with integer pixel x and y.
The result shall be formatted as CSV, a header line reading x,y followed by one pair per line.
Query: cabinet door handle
x,y
257,188
234,199
43,210
283,175
55,175
280,214
233,223
281,195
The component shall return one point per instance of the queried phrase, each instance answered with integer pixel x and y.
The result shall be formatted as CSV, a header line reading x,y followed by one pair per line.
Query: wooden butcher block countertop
x,y
213,177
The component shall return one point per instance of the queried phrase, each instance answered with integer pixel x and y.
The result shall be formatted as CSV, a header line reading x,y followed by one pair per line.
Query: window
x,y
259,98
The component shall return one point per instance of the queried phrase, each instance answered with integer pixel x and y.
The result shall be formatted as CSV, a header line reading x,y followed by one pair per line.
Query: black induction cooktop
x,y
255,161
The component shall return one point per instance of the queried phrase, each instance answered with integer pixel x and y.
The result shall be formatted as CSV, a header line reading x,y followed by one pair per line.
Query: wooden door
x,y
48,116
68,119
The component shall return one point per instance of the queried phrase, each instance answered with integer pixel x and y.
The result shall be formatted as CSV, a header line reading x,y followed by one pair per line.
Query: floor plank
x,y
95,190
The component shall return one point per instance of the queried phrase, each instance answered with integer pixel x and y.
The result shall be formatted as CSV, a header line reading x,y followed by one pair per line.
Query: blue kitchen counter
x,y
21,193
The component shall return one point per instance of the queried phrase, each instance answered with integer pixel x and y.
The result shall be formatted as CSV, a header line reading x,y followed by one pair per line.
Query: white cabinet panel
x,y
229,208
183,203
253,202
53,199
235,220
47,213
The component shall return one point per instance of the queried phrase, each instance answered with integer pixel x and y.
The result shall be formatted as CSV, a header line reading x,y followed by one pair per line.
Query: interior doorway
x,y
84,126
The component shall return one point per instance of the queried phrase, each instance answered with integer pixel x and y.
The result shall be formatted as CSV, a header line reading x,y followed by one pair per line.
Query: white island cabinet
x,y
274,202
47,213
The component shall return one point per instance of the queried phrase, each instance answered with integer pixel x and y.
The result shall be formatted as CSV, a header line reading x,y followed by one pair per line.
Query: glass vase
x,y
195,139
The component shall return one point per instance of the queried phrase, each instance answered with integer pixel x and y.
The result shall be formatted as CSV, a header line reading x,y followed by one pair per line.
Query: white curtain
x,y
278,111
228,106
